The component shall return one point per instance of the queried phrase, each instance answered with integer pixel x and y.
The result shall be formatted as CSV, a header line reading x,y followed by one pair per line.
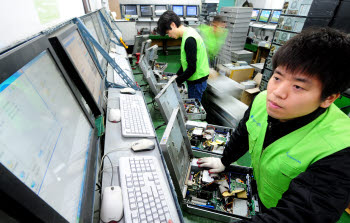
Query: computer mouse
x,y
127,90
114,115
111,204
142,145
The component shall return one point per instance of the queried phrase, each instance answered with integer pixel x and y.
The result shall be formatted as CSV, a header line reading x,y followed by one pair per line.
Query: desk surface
x,y
115,141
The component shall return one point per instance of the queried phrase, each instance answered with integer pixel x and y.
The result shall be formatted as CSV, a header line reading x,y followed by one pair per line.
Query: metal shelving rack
x,y
296,16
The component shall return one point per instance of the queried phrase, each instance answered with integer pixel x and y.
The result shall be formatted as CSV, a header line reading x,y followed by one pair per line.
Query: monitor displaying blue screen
x,y
178,9
265,15
255,14
44,134
130,10
191,10
275,16
146,10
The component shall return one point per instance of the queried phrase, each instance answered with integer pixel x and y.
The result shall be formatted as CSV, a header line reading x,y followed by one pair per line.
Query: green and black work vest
x,y
202,65
283,160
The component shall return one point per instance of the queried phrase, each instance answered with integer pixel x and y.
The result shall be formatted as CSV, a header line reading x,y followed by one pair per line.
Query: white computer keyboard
x,y
145,196
134,117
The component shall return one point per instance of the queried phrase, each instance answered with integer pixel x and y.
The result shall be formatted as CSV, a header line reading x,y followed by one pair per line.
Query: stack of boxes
x,y
209,8
242,55
238,19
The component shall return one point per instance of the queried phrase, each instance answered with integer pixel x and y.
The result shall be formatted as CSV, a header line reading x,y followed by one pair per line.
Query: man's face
x,y
218,27
291,96
173,31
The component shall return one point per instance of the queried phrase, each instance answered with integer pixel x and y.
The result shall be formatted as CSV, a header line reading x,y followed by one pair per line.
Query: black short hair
x,y
218,18
165,20
320,52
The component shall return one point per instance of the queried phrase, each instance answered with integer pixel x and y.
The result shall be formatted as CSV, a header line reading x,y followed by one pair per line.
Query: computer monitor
x,y
275,16
151,54
191,11
145,45
255,14
176,149
265,15
152,81
169,98
146,10
130,10
76,59
139,39
48,139
87,20
178,9
160,9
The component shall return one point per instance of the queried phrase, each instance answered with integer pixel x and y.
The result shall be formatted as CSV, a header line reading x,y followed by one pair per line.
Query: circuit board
x,y
211,139
228,192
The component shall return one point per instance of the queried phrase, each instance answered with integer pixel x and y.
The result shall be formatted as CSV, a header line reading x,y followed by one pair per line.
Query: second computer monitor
x,y
146,10
265,15
191,11
169,98
275,16
130,10
160,9
255,14
178,9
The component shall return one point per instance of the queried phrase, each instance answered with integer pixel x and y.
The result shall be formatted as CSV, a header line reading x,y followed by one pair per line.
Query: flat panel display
x,y
191,10
45,135
78,52
265,15
160,9
178,9
130,10
168,99
90,26
255,14
275,16
146,10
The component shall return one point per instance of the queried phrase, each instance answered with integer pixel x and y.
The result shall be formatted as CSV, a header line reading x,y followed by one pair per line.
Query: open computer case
x,y
229,198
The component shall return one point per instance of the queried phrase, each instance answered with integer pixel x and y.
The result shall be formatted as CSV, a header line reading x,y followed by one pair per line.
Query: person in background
x,y
194,61
214,36
299,141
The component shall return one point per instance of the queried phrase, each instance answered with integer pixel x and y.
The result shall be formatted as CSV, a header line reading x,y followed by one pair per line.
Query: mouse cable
x,y
106,155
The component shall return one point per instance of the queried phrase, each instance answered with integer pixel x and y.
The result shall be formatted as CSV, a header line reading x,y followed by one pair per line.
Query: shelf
x,y
287,31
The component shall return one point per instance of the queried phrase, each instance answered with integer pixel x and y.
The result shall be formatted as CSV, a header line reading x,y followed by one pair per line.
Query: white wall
x,y
266,4
161,2
20,19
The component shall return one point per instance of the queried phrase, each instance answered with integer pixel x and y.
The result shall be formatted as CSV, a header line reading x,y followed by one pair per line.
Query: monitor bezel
x,y
146,15
132,6
268,19
171,83
155,9
183,9
257,17
56,40
272,16
17,196
165,146
196,11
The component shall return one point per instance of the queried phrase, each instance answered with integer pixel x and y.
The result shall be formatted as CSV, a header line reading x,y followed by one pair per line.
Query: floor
x,y
173,60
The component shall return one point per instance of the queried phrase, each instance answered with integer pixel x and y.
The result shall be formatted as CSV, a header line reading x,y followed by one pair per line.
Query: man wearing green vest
x,y
214,37
194,61
299,141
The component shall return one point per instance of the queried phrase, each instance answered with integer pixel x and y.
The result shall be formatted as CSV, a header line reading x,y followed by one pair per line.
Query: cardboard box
x,y
248,94
239,74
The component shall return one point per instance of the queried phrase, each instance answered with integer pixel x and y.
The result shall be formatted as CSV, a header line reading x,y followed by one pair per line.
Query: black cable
x,y
158,127
112,168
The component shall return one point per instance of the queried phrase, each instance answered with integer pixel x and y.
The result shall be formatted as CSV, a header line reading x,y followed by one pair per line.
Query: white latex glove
x,y
213,163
